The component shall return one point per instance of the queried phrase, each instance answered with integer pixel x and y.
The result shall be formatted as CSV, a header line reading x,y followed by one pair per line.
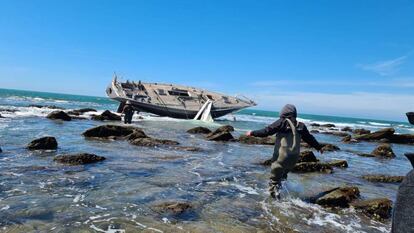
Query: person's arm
x,y
310,139
267,131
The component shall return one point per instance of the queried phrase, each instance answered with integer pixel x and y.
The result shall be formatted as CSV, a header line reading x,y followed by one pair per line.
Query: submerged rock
x,y
384,178
152,142
45,143
188,148
199,130
78,159
338,163
378,209
59,115
81,111
361,131
349,139
312,167
338,197
257,140
173,207
108,131
377,135
335,133
107,116
45,106
329,147
307,156
383,150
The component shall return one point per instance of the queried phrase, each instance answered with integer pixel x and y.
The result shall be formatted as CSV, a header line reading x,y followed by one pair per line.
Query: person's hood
x,y
288,111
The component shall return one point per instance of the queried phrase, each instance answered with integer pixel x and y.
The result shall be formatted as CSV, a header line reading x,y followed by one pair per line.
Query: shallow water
x,y
223,182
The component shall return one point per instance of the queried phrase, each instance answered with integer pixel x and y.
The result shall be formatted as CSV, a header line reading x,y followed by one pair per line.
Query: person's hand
x,y
249,133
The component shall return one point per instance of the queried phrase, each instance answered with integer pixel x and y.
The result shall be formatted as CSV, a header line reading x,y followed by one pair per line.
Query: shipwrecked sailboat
x,y
175,101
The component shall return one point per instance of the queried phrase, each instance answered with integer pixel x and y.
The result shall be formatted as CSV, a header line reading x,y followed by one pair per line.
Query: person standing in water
x,y
128,112
289,133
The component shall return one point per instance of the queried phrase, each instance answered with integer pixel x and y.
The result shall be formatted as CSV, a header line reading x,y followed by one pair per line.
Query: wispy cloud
x,y
385,68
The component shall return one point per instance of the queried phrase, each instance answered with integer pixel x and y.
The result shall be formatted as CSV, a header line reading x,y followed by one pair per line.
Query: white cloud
x,y
364,105
385,68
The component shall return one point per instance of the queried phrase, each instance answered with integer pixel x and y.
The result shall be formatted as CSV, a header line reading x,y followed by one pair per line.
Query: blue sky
x,y
352,58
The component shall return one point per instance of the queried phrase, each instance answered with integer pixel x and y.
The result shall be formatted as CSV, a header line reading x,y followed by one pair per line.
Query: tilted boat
x,y
410,116
175,101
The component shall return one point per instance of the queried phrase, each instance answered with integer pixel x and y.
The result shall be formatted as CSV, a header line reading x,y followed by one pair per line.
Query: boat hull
x,y
410,116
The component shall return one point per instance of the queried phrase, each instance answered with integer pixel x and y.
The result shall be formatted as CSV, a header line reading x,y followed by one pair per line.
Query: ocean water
x,y
224,182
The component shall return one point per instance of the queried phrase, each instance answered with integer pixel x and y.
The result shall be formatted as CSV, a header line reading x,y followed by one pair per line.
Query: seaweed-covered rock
x,y
378,209
44,143
199,130
312,167
329,147
361,131
107,116
108,131
338,197
377,135
383,150
81,111
78,159
257,140
338,163
220,136
384,178
152,142
173,207
59,115
307,156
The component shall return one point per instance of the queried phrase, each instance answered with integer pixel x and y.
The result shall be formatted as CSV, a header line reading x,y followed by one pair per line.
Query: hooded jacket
x,y
282,126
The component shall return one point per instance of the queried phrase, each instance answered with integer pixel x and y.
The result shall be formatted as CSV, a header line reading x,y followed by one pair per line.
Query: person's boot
x,y
274,189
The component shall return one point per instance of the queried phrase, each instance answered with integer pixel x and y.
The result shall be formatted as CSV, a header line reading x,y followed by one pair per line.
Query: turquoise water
x,y
224,182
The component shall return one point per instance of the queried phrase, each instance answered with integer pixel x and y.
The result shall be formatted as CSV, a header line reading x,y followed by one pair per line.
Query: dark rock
x,y
401,138
199,130
312,167
107,116
257,140
410,157
327,125
78,159
349,139
173,207
152,142
315,124
45,106
314,131
377,135
338,163
383,178
383,150
1,150
346,129
1,116
220,136
45,143
378,209
223,131
361,131
307,156
108,131
137,134
329,147
340,134
81,111
59,115
225,128
338,197
8,110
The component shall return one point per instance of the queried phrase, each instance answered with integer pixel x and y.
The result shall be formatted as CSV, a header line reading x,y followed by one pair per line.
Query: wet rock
x,y
401,138
257,140
107,116
45,143
1,116
225,128
312,167
335,133
307,156
338,197
314,131
59,115
349,139
188,148
173,207
137,134
377,135
338,163
78,159
108,131
220,136
152,142
346,129
327,125
383,178
329,147
361,131
315,125
45,106
377,209
81,111
383,150
8,110
199,130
